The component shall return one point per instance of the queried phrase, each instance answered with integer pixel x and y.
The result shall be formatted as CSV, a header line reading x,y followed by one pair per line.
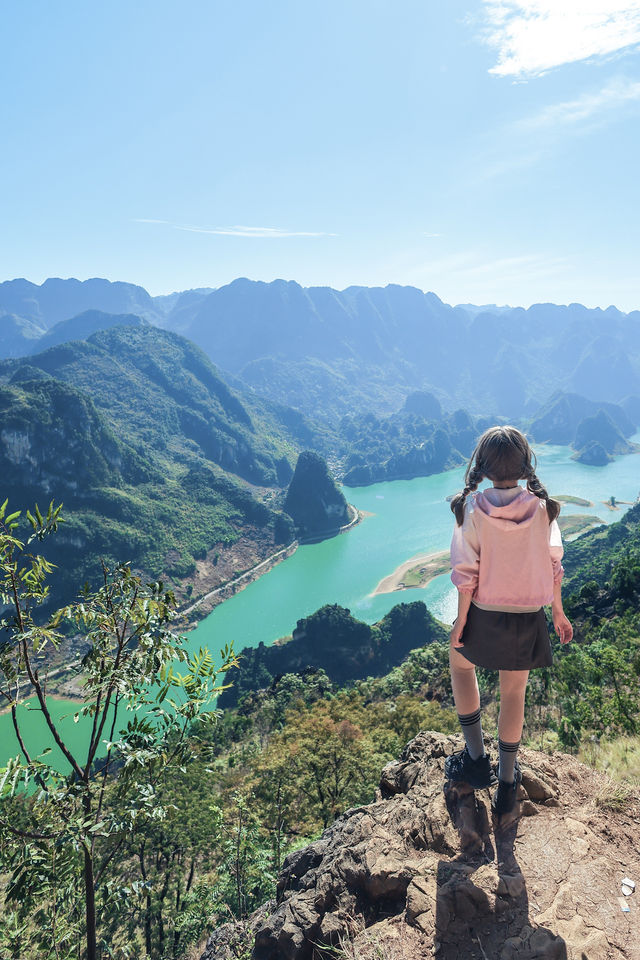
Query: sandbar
x,y
574,524
566,498
416,572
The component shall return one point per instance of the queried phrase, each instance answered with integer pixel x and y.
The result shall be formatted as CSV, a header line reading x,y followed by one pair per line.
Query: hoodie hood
x,y
518,512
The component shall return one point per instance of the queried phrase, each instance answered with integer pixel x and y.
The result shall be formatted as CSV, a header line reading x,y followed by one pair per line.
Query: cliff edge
x,y
420,872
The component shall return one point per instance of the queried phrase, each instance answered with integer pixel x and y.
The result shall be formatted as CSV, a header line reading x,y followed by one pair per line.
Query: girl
x,y
505,559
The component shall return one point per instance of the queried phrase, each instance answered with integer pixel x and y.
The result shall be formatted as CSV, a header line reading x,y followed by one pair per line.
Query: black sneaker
x,y
504,799
460,767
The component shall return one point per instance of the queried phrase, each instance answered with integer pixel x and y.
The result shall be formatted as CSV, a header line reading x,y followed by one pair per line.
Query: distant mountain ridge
x,y
328,352
57,299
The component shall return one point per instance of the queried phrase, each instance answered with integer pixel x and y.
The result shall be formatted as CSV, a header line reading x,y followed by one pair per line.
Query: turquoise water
x,y
409,517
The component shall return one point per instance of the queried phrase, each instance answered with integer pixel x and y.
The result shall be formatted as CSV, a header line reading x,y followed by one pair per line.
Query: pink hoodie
x,y
506,554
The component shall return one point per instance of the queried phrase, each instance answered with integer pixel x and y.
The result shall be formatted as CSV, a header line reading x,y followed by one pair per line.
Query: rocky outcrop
x,y
421,872
601,429
424,404
54,441
560,418
593,454
431,456
314,502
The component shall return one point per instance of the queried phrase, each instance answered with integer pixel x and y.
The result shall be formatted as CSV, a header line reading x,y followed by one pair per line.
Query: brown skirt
x,y
506,641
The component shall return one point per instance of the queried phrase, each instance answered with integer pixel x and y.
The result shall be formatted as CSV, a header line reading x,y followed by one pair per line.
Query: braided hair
x,y
472,479
534,486
502,453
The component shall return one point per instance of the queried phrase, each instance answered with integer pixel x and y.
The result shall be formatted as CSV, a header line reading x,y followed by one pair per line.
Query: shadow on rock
x,y
481,900
420,873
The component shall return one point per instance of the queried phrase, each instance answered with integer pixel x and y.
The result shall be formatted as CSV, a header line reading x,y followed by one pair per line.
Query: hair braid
x,y
534,486
472,478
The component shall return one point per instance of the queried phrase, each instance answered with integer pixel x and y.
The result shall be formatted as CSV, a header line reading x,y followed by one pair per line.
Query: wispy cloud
x,y
534,36
527,265
265,232
432,236
269,233
586,109
471,267
530,140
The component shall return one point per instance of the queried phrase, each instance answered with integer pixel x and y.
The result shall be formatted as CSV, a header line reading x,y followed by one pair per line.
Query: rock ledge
x,y
420,872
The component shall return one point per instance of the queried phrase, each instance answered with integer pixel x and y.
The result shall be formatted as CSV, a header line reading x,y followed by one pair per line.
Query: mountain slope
x,y
82,326
558,419
414,872
164,391
18,335
371,346
74,418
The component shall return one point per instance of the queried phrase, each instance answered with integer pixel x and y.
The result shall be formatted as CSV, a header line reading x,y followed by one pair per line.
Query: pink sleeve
x,y
465,555
556,550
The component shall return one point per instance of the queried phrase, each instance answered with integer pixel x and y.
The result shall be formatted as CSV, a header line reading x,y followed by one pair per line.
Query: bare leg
x,y
464,683
513,686
467,700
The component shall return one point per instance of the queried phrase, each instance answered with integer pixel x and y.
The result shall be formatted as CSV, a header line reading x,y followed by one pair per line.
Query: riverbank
x,y
65,680
188,616
566,498
344,570
416,572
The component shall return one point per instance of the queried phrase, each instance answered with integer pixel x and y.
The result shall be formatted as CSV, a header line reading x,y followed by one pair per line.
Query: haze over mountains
x,y
329,352
171,426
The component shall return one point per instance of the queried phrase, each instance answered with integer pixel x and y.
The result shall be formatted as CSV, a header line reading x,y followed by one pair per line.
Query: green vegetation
x,y
156,458
332,639
311,725
405,444
619,758
313,500
64,832
423,572
165,824
573,524
566,498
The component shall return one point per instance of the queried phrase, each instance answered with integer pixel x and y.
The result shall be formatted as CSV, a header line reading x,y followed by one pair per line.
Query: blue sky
x,y
487,151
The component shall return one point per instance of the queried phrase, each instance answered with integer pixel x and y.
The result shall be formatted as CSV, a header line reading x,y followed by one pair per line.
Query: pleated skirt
x,y
506,641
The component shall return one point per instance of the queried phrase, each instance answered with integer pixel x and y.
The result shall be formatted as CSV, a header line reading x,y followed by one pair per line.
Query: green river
x,y
408,517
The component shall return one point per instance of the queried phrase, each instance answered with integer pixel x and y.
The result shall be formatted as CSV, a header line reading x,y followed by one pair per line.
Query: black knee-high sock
x,y
507,764
472,729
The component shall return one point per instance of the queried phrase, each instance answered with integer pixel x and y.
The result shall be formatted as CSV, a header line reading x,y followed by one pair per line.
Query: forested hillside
x,y
157,459
166,460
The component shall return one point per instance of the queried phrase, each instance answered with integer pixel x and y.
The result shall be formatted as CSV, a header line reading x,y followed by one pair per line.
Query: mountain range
x,y
328,352
171,426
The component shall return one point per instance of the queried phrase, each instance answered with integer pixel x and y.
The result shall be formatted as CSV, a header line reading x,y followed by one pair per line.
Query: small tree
x,y
67,828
